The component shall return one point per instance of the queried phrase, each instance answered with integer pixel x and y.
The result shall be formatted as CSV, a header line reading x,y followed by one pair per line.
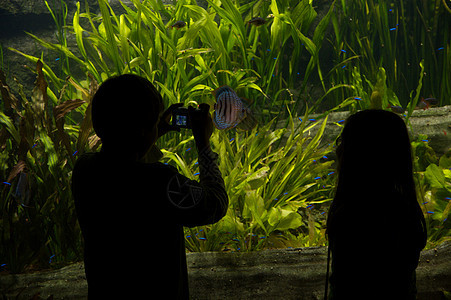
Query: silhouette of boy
x,y
375,225
132,213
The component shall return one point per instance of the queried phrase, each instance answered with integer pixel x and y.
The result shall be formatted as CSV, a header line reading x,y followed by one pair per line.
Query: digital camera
x,y
180,118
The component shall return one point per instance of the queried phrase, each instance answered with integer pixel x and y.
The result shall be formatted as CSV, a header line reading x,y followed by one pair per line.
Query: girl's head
x,y
374,148
375,173
125,114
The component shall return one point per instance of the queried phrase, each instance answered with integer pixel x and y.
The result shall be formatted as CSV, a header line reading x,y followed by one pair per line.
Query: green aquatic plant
x,y
218,46
395,35
433,181
278,180
41,141
268,187
39,148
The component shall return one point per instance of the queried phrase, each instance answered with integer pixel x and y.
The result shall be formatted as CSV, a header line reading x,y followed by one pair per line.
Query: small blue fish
x,y
394,28
231,111
396,109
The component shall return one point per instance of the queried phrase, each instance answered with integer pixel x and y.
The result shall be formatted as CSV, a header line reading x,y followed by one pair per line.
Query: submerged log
x,y
269,274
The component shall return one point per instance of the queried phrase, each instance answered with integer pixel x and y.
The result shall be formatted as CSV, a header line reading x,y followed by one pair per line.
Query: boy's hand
x,y
164,126
201,124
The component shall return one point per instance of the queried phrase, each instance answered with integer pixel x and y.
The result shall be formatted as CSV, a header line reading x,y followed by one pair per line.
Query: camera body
x,y
180,118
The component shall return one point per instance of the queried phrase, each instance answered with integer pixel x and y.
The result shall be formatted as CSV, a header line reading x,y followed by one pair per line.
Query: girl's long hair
x,y
375,162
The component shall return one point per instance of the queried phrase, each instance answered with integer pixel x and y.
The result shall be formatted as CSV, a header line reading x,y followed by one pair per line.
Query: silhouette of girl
x,y
375,225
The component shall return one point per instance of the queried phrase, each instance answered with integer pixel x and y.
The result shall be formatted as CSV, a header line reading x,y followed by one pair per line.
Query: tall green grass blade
x,y
413,101
8,124
114,51
79,32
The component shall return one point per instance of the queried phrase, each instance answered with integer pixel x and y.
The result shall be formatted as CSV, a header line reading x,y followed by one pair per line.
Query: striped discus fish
x,y
232,111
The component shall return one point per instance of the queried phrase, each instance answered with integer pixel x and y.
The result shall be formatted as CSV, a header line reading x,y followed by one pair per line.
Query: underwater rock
x,y
270,274
433,122
23,7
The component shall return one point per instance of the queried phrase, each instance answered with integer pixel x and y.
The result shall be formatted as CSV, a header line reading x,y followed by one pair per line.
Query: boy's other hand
x,y
164,125
201,124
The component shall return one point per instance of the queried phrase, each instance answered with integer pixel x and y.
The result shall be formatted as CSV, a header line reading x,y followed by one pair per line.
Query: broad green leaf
x,y
320,30
283,219
435,176
109,30
289,220
167,92
6,121
180,163
79,31
124,32
255,205
52,158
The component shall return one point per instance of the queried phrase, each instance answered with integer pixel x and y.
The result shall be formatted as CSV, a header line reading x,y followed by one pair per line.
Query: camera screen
x,y
180,120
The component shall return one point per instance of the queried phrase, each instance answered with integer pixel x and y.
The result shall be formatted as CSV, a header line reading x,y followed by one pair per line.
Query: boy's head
x,y
125,114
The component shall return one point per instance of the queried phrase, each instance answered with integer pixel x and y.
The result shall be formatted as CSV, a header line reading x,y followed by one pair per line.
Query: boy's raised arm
x,y
205,202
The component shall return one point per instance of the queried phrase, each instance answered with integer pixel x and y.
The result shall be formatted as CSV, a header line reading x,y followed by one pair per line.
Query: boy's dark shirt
x,y
132,215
